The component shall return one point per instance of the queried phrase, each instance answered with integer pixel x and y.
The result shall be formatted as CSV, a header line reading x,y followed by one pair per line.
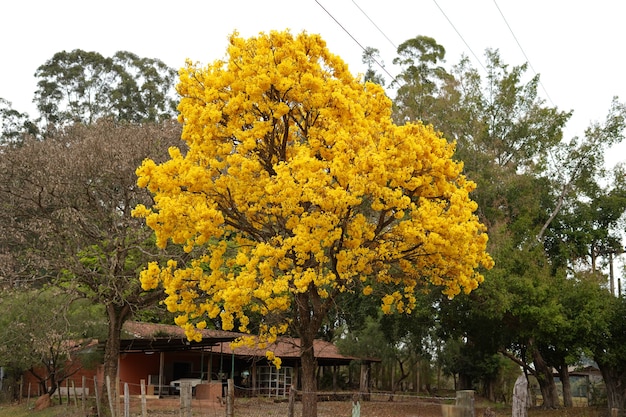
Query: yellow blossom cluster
x,y
296,182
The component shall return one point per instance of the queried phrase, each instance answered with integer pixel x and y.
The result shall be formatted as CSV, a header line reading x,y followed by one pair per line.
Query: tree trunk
x,y
464,382
615,382
546,380
568,402
116,317
309,386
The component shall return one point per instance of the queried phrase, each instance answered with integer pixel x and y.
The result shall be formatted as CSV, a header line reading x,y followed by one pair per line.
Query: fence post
x,y
126,400
292,401
185,399
144,409
82,393
230,399
96,390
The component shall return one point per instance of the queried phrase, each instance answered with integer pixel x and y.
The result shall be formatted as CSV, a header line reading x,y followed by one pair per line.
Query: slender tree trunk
x,y
546,380
568,402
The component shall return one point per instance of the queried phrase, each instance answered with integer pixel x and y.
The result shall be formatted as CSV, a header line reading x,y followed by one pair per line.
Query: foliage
x,y
66,216
312,212
422,83
81,86
45,332
14,125
299,166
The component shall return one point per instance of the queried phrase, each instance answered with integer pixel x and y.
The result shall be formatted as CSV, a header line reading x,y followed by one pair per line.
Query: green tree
x,y
14,125
420,85
81,86
371,57
504,132
609,349
45,332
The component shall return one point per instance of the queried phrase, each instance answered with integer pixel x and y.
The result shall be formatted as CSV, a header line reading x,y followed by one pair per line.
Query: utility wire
x,y
375,25
354,39
460,36
523,53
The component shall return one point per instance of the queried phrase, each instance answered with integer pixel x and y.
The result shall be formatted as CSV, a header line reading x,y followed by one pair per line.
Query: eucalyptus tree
x,y
421,84
83,86
14,125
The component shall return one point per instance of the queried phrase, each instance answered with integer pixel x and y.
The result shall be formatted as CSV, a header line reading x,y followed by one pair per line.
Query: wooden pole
x,y
74,394
144,409
97,393
126,400
230,399
82,393
118,393
292,401
161,367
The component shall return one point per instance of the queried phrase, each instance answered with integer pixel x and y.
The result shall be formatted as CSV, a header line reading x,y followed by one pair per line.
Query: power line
x,y
523,53
375,25
354,39
460,36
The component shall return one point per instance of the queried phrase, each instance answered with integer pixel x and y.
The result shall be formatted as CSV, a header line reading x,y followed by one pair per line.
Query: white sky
x,y
576,46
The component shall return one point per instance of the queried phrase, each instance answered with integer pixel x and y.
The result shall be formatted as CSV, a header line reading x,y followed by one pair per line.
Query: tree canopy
x,y
298,187
84,86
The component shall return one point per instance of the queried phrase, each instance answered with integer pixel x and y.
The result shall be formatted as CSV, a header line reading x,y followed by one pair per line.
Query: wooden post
x,y
74,394
96,390
126,400
83,394
292,401
230,399
19,396
144,409
161,367
185,399
364,387
117,395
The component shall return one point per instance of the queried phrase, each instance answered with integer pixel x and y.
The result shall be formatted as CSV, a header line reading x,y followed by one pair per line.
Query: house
x,y
162,356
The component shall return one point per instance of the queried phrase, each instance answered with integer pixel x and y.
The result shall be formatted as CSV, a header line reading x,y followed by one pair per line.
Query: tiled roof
x,y
289,347
152,336
139,330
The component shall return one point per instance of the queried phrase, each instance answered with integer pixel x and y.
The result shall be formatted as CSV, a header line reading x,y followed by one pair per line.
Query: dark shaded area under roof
x,y
145,337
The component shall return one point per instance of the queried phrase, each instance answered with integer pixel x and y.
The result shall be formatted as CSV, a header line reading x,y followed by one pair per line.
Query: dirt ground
x,y
263,407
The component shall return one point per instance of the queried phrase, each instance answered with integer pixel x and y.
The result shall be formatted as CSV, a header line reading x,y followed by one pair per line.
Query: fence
x,y
241,403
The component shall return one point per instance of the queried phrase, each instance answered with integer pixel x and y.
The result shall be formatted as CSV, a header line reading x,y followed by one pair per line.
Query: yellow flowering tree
x,y
296,187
